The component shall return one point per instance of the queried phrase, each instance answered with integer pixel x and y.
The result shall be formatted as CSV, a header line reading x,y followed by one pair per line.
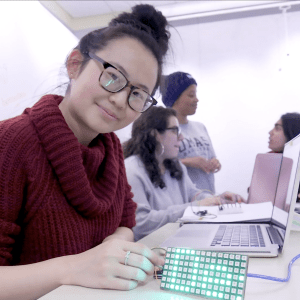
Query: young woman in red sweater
x,y
66,209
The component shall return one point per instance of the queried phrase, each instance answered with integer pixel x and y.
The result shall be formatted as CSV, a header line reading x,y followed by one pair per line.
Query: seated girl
x,y
285,129
66,209
161,186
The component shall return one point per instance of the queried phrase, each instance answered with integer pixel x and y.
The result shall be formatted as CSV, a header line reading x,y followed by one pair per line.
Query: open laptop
x,y
265,239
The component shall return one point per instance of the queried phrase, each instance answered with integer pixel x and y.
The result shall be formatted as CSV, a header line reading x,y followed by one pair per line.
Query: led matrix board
x,y
213,275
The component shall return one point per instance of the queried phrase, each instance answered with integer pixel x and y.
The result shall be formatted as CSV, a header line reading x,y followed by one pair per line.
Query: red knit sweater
x,y
57,197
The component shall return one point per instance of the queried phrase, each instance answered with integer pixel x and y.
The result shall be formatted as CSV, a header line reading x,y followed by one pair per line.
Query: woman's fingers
x,y
132,273
142,257
141,262
233,197
117,283
116,264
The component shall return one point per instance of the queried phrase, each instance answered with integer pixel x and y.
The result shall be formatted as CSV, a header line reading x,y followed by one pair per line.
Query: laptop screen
x,y
287,183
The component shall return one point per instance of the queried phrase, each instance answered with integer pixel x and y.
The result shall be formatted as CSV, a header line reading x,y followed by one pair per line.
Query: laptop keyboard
x,y
239,235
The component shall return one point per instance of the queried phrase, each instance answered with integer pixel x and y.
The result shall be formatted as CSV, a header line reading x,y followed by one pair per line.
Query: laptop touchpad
x,y
193,233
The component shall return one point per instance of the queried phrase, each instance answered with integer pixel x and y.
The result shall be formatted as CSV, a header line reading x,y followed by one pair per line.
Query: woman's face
x,y
277,138
170,139
186,104
89,109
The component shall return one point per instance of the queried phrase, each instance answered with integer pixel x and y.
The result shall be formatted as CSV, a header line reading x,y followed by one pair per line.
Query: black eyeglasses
x,y
176,130
114,81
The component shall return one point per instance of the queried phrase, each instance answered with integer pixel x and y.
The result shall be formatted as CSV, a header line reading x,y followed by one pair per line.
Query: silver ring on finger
x,y
126,258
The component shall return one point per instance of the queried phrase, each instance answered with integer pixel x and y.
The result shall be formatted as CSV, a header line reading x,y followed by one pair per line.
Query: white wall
x,y
33,49
246,82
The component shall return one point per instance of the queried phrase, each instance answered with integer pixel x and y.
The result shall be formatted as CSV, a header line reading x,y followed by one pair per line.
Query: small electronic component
x,y
209,274
230,209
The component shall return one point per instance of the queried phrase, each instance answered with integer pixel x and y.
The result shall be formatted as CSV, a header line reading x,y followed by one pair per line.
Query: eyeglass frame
x,y
128,84
175,128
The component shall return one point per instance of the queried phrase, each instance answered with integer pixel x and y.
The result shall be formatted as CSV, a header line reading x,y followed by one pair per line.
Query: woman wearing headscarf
x,y
196,152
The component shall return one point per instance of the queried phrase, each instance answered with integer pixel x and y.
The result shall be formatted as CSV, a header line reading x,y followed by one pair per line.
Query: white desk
x,y
256,289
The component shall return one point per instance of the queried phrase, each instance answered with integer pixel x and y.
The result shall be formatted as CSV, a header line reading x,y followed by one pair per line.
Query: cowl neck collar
x,y
88,175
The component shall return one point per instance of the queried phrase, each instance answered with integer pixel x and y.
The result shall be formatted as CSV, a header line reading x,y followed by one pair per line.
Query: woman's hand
x,y
104,266
215,165
226,197
199,162
229,197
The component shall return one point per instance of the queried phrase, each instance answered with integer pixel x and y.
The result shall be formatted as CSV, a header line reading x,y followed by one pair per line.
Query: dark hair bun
x,y
145,17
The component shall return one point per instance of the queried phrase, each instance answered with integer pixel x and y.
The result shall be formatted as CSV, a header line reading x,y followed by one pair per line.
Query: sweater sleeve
x,y
191,188
148,218
129,207
12,182
212,150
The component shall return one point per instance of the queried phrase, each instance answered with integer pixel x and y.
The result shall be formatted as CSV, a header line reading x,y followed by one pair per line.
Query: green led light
x,y
209,274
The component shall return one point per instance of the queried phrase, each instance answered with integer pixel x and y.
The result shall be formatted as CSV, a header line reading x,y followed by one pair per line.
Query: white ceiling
x,y
79,9
83,16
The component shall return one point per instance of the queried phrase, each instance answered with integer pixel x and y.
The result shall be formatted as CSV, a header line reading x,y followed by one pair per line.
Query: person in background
x,y
196,152
66,209
160,183
285,129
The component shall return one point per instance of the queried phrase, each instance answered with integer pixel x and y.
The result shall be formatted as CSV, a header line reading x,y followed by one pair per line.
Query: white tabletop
x,y
256,289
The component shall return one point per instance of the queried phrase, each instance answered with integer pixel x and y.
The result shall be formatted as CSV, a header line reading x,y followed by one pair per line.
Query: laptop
x,y
264,178
265,239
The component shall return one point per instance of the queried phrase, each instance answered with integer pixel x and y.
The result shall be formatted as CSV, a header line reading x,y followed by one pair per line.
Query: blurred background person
x,y
285,129
160,183
196,152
